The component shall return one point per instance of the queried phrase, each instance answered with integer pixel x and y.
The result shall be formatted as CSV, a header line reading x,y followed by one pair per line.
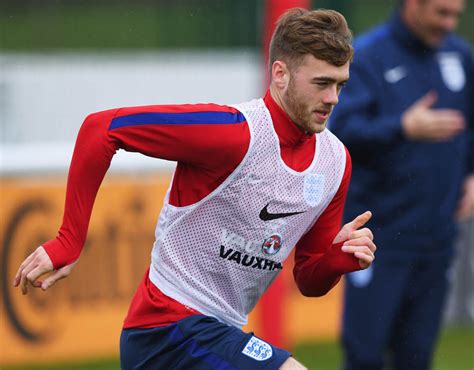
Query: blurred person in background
x,y
253,181
407,117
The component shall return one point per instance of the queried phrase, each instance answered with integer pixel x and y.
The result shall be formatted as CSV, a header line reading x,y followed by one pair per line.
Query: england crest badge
x,y
313,188
452,71
258,349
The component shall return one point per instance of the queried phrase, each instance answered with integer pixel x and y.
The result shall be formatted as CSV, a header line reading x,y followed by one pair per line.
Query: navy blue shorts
x,y
197,342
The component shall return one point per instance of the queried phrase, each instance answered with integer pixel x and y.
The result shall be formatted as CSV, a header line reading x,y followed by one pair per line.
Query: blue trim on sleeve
x,y
194,118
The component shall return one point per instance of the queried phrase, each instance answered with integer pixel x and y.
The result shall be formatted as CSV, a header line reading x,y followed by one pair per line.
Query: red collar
x,y
289,134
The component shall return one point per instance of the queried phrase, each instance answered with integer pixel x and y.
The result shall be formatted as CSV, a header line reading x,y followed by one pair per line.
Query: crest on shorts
x,y
452,71
313,188
258,349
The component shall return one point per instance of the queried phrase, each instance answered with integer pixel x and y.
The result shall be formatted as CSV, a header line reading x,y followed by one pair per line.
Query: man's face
x,y
433,19
312,92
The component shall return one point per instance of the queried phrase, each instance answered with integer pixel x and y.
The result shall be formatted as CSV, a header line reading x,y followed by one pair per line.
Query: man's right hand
x,y
34,266
422,122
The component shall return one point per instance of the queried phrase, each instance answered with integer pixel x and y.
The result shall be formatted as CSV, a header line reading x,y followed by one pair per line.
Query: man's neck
x,y
277,97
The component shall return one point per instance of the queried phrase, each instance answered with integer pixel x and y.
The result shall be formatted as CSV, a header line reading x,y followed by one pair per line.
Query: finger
x,y
356,223
427,100
36,284
37,272
448,115
360,220
364,256
448,129
448,124
446,112
445,133
23,265
31,274
364,259
357,249
23,276
53,278
361,242
361,233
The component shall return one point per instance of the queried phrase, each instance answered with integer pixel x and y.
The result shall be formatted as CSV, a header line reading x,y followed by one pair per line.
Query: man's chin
x,y
316,128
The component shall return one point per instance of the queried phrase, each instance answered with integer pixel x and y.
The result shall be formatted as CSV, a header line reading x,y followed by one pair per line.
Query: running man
x,y
253,181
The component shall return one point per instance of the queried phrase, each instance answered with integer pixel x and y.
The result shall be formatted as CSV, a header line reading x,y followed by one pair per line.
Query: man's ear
x,y
280,74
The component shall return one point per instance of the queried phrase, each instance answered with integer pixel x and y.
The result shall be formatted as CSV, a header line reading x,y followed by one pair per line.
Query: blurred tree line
x,y
34,25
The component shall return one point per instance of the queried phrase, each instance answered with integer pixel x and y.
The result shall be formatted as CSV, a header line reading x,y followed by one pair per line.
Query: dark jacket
x,y
412,187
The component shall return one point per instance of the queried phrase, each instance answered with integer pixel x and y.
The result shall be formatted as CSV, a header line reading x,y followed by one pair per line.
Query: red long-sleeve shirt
x,y
206,154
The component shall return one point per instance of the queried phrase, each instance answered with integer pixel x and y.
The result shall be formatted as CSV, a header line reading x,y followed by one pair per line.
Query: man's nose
x,y
331,96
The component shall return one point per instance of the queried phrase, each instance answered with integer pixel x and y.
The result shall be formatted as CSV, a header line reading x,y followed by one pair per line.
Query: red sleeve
x,y
319,263
206,136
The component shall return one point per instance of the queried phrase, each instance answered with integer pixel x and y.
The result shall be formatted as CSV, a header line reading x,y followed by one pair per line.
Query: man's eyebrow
x,y
328,79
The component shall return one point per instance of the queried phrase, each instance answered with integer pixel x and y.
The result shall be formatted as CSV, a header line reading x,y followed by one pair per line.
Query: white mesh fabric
x,y
210,255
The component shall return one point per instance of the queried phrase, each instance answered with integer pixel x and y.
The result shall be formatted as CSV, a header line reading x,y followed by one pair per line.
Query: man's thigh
x,y
198,342
417,327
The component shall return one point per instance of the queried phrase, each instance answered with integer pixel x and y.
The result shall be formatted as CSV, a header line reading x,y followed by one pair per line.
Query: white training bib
x,y
220,254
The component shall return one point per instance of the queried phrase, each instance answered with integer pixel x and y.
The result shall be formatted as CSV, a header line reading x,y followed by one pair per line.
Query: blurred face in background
x,y
432,20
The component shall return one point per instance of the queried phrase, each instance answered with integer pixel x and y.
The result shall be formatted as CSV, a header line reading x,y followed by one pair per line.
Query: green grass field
x,y
455,352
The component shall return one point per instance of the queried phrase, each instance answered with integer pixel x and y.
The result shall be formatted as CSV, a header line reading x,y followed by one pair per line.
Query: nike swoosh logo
x,y
395,74
267,216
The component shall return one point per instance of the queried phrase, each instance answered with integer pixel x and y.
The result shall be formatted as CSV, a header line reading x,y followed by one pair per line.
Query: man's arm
x,y
205,136
327,251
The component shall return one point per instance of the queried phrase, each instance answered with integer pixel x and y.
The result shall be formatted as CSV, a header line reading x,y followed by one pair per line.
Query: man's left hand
x,y
358,241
